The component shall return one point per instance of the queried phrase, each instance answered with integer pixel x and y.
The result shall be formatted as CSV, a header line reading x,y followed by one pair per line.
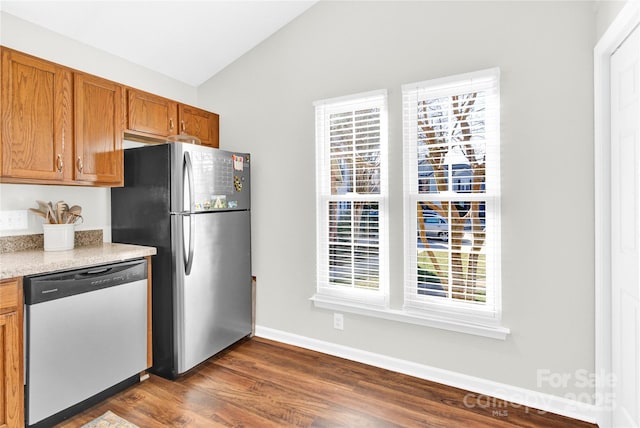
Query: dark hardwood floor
x,y
260,383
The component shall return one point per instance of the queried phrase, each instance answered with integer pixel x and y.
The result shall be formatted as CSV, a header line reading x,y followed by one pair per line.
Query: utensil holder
x,y
58,237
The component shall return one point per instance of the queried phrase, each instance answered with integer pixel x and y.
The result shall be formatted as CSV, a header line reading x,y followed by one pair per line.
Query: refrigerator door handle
x,y
188,253
188,178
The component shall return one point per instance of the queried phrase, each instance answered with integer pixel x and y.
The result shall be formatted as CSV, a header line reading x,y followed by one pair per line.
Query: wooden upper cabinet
x,y
98,119
199,123
154,118
36,133
58,126
150,115
62,126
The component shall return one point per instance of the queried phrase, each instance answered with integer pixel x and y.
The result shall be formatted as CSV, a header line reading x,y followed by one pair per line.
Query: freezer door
x,y
207,179
213,301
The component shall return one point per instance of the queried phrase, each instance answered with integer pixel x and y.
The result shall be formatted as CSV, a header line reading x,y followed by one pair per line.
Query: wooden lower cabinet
x,y
11,358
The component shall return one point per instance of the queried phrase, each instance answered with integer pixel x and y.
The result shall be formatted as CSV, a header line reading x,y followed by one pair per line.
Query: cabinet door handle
x,y
59,163
79,164
182,125
171,124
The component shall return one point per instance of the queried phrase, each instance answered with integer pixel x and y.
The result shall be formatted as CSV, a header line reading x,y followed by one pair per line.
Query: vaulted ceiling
x,y
189,41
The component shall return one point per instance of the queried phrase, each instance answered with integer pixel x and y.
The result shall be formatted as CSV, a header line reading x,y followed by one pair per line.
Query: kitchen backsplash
x,y
82,238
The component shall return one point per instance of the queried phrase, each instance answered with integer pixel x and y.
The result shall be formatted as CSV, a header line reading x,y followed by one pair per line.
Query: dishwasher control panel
x,y
51,286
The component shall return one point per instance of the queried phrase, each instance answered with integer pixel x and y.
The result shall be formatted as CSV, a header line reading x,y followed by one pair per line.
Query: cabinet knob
x,y
59,163
79,164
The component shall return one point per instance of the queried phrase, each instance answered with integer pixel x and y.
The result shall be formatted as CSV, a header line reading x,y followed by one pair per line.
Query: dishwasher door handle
x,y
96,271
93,273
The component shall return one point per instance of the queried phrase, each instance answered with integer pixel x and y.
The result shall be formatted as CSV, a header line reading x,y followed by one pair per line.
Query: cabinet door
x,y
11,413
36,131
11,372
199,123
150,114
98,118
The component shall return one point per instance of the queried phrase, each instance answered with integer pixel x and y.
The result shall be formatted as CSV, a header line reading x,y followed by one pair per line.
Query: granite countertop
x,y
33,262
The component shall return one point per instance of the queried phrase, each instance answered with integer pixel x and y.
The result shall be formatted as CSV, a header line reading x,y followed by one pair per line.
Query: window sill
x,y
478,329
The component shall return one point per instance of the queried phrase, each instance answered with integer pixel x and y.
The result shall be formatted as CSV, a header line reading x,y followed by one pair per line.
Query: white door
x,y
625,211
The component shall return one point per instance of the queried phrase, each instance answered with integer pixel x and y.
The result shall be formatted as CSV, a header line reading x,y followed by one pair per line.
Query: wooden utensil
x,y
51,214
74,213
60,210
38,212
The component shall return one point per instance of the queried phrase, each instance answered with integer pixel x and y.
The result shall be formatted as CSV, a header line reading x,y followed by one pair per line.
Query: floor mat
x,y
109,420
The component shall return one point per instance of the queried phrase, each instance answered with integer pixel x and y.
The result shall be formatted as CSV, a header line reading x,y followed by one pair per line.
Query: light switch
x,y
14,220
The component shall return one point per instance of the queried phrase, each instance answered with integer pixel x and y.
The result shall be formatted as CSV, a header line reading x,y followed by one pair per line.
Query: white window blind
x,y
351,144
452,190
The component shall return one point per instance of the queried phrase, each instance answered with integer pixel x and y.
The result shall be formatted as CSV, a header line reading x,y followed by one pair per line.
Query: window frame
x,y
430,306
379,306
325,291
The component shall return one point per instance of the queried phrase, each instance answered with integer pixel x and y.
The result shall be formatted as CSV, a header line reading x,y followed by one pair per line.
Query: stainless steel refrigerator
x,y
193,204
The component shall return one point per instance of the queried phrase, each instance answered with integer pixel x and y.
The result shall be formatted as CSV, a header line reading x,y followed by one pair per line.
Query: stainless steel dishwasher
x,y
85,337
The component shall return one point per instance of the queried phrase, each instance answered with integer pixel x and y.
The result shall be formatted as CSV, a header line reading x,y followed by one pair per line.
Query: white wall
x,y
544,50
18,34
606,11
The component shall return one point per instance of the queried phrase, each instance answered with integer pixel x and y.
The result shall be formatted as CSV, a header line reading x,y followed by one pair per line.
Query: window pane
x,y
473,254
340,221
451,144
366,266
433,249
355,151
368,172
433,272
366,222
340,259
354,236
451,249
341,173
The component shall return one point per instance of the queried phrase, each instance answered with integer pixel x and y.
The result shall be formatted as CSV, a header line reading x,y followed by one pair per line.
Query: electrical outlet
x,y
13,220
338,321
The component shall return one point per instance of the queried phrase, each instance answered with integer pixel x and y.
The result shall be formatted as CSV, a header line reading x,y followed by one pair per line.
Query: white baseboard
x,y
522,397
